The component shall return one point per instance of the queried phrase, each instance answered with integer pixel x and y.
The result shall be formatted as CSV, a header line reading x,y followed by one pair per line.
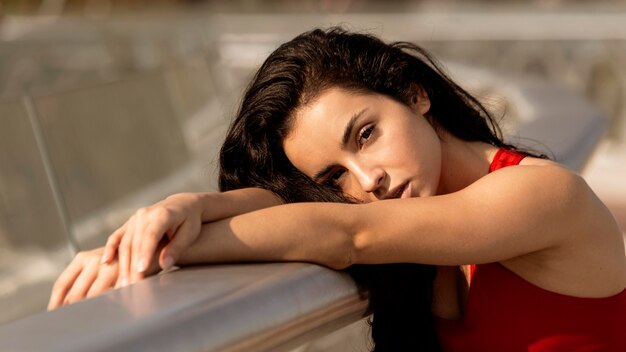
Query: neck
x,y
463,163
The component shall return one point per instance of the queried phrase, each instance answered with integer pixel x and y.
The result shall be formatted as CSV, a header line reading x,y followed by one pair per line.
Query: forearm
x,y
310,232
221,205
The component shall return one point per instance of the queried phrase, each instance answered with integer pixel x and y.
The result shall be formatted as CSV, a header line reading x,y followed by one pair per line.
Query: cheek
x,y
430,167
431,178
352,188
422,151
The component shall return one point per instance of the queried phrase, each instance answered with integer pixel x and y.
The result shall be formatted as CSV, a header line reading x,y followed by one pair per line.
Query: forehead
x,y
315,138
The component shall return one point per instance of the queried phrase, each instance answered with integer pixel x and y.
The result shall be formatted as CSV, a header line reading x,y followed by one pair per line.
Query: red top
x,y
504,312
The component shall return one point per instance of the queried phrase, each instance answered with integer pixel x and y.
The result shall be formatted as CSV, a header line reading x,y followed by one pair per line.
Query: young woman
x,y
364,156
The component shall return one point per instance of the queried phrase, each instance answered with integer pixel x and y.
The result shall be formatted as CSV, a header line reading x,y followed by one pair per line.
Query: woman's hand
x,y
143,237
169,227
85,277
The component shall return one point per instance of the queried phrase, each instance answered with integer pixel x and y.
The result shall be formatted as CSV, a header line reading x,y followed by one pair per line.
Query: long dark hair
x,y
296,73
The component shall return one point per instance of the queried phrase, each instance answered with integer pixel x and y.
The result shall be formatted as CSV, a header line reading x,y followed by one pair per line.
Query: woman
x,y
391,164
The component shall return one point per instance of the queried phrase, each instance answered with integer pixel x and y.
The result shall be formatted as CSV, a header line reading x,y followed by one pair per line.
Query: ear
x,y
420,101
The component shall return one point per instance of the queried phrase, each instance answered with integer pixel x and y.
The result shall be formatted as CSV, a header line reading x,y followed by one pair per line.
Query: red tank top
x,y
504,312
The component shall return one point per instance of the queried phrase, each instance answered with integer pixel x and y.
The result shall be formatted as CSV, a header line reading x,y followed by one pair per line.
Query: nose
x,y
370,179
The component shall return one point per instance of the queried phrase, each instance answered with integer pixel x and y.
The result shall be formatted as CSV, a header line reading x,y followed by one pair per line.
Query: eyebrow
x,y
349,127
347,132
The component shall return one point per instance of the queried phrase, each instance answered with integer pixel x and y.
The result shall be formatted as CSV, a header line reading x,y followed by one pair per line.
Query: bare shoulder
x,y
546,183
534,180
584,242
546,196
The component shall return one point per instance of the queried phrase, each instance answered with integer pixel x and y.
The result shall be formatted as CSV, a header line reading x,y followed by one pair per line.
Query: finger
x,y
155,233
123,252
185,236
83,282
112,244
144,221
65,282
107,276
140,222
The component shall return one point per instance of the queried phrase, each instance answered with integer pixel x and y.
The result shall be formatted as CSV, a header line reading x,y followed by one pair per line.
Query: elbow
x,y
352,246
339,252
343,262
349,238
344,254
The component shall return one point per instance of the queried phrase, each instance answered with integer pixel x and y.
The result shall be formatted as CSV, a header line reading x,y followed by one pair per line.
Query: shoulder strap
x,y
504,158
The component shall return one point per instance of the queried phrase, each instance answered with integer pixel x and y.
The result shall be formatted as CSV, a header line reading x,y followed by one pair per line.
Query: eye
x,y
365,134
334,178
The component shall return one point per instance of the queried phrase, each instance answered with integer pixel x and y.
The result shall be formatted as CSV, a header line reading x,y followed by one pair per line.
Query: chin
x,y
427,193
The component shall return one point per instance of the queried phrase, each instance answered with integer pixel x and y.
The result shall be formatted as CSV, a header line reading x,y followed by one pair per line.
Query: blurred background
x,y
110,105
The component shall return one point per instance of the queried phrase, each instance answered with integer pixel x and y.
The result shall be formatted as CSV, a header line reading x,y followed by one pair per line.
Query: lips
x,y
402,191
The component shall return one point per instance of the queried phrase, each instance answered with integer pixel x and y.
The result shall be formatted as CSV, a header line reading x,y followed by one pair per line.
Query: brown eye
x,y
365,135
334,178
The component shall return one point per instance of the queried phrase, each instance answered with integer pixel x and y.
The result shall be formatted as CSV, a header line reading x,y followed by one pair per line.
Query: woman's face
x,y
369,145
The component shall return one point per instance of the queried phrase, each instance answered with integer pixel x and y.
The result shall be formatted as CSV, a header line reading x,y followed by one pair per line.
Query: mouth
x,y
402,191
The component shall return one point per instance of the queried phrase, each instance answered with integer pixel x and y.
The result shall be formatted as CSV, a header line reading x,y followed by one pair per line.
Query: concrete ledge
x,y
224,307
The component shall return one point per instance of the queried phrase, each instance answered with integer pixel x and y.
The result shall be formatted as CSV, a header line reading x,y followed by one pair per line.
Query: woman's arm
x,y
506,214
313,232
509,213
220,205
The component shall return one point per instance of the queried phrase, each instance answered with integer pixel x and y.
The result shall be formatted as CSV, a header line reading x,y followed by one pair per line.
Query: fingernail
x,y
103,259
168,262
141,265
124,282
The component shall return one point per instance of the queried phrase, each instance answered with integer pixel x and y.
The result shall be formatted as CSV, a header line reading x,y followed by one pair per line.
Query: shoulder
x,y
542,194
533,179
581,241
546,192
